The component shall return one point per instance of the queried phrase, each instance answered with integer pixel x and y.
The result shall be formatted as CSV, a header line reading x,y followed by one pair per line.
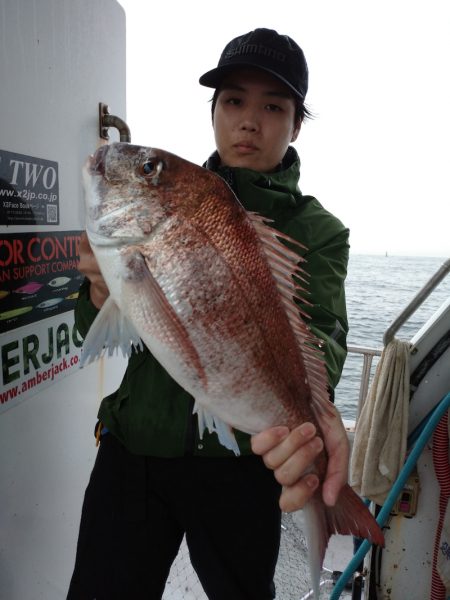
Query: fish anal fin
x,y
206,420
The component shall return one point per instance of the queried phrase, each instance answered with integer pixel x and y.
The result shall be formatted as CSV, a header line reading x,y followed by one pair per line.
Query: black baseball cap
x,y
263,49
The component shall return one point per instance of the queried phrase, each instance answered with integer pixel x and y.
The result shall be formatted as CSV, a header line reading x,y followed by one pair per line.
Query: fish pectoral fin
x,y
206,420
161,322
110,331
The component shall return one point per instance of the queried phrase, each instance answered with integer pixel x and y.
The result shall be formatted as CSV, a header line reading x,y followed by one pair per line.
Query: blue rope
x,y
422,434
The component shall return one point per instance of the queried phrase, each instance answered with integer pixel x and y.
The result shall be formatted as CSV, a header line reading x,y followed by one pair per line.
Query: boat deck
x,y
292,573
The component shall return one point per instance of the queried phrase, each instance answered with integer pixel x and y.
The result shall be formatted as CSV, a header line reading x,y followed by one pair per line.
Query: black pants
x,y
137,509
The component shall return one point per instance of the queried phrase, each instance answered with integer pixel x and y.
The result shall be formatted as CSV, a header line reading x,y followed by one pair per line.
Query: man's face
x,y
254,120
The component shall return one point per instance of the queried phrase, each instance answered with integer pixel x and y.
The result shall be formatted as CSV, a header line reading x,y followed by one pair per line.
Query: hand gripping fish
x,y
209,288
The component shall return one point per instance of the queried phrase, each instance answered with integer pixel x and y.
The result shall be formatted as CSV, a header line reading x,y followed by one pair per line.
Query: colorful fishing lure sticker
x,y
29,288
15,312
59,281
50,303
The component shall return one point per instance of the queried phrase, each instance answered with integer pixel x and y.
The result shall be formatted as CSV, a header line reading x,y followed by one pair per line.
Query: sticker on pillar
x,y
34,357
39,277
29,190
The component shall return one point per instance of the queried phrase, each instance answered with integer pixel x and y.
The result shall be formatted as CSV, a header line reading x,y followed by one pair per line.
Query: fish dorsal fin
x,y
285,265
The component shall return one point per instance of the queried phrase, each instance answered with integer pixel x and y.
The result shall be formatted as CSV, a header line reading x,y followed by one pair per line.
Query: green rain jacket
x,y
150,413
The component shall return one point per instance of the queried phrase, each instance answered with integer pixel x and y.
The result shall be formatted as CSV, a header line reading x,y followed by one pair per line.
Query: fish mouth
x,y
96,162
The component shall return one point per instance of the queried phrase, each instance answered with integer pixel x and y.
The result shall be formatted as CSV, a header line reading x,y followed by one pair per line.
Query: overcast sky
x,y
377,152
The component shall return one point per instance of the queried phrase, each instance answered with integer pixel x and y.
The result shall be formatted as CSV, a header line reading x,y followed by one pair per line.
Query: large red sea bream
x,y
209,289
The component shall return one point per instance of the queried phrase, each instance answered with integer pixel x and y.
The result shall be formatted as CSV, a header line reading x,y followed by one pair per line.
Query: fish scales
x,y
209,288
224,313
238,242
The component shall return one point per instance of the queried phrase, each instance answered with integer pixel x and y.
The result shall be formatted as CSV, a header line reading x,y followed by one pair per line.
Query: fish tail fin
x,y
349,516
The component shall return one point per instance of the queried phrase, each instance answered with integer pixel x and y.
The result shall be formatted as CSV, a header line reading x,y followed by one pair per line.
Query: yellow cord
x,y
98,433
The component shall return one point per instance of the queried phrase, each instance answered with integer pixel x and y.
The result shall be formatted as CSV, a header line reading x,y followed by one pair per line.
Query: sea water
x,y
378,289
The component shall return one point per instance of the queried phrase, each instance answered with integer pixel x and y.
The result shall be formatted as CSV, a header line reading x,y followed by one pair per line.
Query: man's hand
x,y
338,450
290,453
89,267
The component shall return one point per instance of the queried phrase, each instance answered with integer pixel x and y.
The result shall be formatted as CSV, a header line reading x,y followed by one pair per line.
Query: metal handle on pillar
x,y
106,121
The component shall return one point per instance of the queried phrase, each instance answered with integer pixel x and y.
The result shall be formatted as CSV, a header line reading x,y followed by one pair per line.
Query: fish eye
x,y
148,167
152,170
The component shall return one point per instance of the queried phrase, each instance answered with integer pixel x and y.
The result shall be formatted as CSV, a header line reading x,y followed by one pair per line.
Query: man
x,y
154,480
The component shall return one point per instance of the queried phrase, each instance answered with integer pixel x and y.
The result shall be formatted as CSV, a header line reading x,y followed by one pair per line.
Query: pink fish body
x,y
210,289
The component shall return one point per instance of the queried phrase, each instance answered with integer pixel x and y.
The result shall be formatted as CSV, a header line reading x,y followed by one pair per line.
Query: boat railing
x,y
418,299
369,353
